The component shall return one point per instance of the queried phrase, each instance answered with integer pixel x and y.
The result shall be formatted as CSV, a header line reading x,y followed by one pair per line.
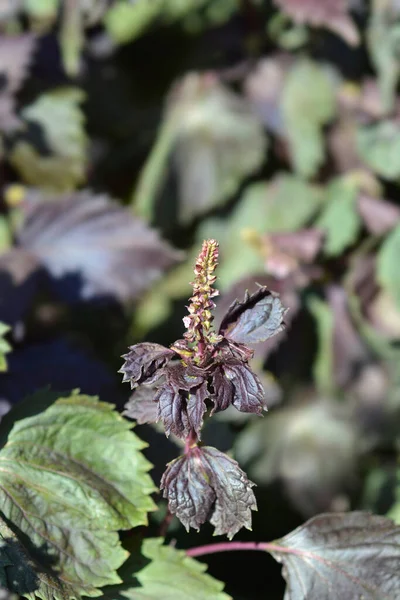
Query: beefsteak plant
x,y
199,375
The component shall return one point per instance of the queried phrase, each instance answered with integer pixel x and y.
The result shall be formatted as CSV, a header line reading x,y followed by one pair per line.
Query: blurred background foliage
x,y
130,130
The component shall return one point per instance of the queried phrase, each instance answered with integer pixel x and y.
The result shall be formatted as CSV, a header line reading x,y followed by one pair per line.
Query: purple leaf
x,y
206,484
223,390
342,555
181,399
256,319
248,392
196,407
145,363
379,216
141,406
114,253
332,14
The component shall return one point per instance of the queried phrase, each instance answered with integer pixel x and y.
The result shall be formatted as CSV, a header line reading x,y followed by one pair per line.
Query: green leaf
x,y
71,477
340,219
308,103
383,37
287,203
214,141
379,147
171,575
126,20
60,117
387,266
342,555
20,574
324,361
4,346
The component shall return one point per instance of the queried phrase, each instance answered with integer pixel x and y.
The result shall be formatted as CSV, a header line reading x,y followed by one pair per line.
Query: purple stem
x,y
229,546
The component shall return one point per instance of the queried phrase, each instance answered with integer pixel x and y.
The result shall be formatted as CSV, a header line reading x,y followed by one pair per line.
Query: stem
x,y
230,546
165,523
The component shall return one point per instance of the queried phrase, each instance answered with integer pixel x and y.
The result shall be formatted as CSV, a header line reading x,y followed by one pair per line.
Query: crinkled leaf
x,y
84,478
379,215
387,266
256,319
181,400
170,575
344,555
109,251
206,484
144,363
379,147
215,141
339,219
141,406
248,392
308,103
332,14
4,346
20,574
63,167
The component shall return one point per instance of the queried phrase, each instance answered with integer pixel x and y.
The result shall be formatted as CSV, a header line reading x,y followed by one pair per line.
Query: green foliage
x,y
308,103
379,147
388,265
84,478
4,346
172,575
323,364
339,219
60,117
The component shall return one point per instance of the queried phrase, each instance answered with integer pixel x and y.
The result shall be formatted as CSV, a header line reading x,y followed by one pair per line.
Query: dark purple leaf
x,y
114,253
141,406
223,390
206,484
181,399
144,363
235,383
379,216
342,556
257,318
196,407
332,14
172,410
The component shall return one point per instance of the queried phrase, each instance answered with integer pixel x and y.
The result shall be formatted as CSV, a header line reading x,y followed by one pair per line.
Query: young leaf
x,y
333,14
170,575
240,387
343,555
340,219
308,103
93,238
84,478
206,484
379,147
144,363
4,346
256,319
387,265
61,120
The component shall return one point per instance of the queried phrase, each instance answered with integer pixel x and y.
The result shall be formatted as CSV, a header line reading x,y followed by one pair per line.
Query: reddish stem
x,y
229,546
190,441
